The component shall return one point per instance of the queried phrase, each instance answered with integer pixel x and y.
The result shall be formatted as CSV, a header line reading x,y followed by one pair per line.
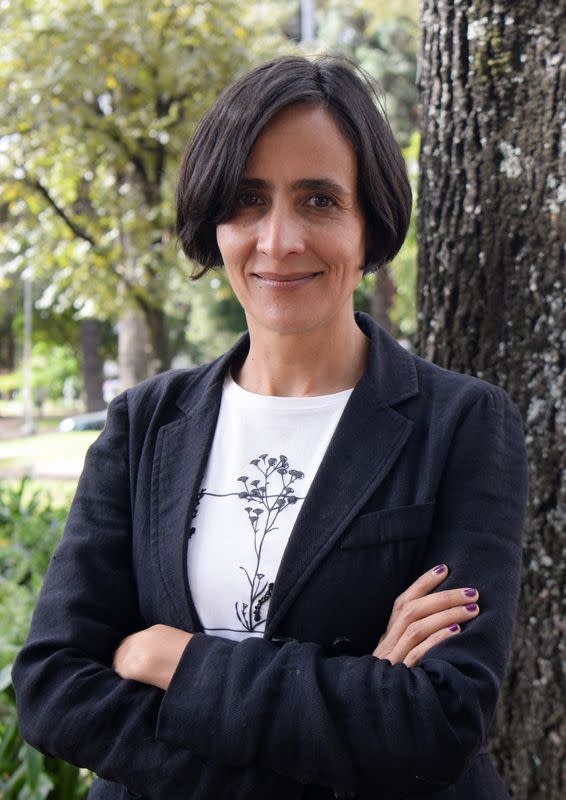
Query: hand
x,y
151,656
420,620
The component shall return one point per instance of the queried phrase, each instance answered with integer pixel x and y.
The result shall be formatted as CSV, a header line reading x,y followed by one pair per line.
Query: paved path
x,y
10,427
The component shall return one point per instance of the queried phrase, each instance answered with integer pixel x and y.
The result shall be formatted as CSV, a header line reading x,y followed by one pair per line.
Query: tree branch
x,y
77,229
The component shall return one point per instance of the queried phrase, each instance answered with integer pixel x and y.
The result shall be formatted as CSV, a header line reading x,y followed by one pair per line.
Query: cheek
x,y
349,253
234,276
234,241
237,250
224,240
347,241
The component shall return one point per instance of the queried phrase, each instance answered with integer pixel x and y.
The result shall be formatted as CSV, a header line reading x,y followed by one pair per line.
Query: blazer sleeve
x,y
71,704
354,722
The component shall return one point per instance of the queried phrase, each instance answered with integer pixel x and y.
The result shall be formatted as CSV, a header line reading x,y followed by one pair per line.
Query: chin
x,y
288,326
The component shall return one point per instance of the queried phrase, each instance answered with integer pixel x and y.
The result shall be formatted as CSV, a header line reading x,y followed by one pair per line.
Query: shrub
x,y
30,528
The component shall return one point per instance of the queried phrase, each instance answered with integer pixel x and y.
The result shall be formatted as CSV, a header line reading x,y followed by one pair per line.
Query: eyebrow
x,y
312,184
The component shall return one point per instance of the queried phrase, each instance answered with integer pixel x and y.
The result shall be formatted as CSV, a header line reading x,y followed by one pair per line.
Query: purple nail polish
x,y
470,592
454,628
439,569
472,607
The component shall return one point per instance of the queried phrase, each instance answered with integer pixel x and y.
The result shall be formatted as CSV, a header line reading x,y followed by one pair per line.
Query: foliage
x,y
10,383
30,528
216,317
97,101
92,125
382,39
52,365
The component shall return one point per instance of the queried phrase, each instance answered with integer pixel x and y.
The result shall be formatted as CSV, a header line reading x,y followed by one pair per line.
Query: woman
x,y
243,604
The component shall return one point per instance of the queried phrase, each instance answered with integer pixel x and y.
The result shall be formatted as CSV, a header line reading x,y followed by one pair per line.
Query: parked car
x,y
94,421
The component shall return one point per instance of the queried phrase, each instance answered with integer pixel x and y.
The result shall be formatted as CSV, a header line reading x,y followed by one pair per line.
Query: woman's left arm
x,y
345,722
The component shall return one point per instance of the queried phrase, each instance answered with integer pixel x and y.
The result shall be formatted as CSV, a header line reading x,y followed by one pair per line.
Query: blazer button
x,y
341,646
345,795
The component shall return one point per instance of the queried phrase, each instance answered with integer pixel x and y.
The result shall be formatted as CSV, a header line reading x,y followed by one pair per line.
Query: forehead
x,y
301,141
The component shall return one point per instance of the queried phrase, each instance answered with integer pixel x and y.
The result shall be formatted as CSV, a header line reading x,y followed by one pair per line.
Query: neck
x,y
324,361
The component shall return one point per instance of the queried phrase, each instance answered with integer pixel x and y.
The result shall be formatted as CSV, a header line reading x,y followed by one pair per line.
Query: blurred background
x,y
98,99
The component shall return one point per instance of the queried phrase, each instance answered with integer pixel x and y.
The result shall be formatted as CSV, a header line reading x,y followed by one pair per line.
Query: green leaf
x,y
5,677
34,764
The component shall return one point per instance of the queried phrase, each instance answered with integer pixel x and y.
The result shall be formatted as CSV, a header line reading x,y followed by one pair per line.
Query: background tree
x,y
97,101
491,302
382,39
92,366
8,345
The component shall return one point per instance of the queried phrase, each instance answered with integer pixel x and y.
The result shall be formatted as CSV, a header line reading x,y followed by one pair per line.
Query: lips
x,y
277,279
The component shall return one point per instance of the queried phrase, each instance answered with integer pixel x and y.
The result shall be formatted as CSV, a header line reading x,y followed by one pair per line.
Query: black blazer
x,y
426,466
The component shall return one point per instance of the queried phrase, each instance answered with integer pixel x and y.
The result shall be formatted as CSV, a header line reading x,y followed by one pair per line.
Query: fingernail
x,y
470,592
454,628
439,569
472,607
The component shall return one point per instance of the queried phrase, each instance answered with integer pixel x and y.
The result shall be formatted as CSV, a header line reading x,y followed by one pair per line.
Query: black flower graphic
x,y
266,497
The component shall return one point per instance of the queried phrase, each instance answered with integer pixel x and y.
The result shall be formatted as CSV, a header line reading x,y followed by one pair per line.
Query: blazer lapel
x,y
181,455
365,446
181,458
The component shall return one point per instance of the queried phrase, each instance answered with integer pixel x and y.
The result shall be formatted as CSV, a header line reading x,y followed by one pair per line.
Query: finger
x,y
421,587
404,637
415,656
420,631
425,584
434,603
120,656
422,607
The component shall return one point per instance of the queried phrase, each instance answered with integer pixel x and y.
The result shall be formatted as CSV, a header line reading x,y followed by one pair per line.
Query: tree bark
x,y
159,337
90,334
146,315
134,350
491,302
382,298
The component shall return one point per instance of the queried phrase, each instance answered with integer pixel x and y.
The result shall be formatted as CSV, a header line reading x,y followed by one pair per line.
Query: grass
x,y
51,455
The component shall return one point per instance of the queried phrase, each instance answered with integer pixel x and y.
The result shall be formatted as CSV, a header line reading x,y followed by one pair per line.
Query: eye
x,y
249,199
321,200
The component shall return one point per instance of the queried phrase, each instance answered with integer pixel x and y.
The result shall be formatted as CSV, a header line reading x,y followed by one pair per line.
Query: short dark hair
x,y
215,159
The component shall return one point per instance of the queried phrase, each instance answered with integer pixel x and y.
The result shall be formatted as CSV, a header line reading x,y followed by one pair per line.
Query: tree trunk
x,y
7,347
158,334
491,302
90,334
151,353
382,298
134,350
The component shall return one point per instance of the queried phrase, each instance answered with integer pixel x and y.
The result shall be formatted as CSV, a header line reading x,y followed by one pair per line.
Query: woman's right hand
x,y
421,619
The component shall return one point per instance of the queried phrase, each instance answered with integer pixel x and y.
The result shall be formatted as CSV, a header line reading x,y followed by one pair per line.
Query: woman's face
x,y
294,247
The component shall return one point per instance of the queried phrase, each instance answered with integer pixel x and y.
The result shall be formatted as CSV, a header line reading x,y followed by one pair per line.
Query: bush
x,y
30,528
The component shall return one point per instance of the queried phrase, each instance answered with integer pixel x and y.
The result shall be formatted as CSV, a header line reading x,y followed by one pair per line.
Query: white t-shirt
x,y
264,456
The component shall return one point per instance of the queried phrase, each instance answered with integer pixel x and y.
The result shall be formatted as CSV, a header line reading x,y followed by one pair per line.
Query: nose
x,y
280,233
